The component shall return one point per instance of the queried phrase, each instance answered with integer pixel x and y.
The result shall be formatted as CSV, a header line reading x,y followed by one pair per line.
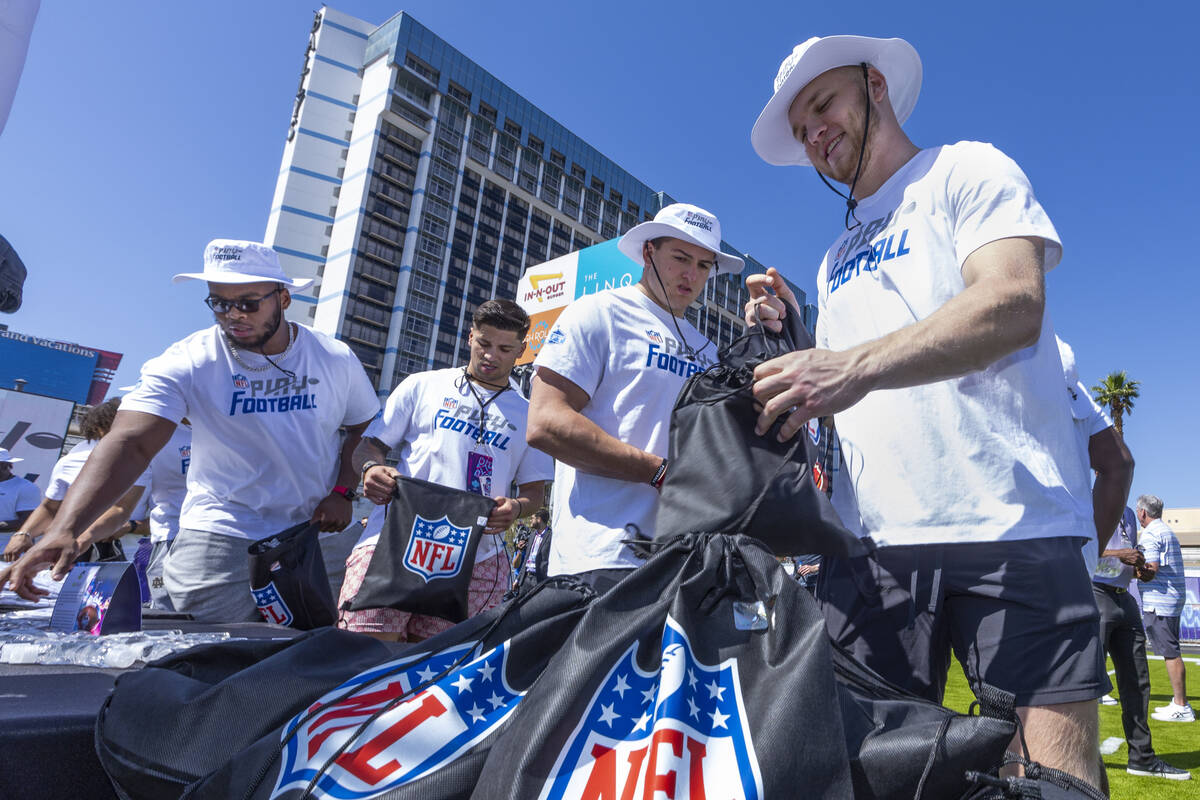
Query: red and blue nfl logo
x,y
436,548
678,731
271,605
240,382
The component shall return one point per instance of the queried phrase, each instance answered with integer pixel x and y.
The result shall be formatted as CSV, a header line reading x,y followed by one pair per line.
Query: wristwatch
x,y
346,492
366,467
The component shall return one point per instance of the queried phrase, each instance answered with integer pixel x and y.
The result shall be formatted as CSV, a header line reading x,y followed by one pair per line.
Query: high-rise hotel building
x,y
415,186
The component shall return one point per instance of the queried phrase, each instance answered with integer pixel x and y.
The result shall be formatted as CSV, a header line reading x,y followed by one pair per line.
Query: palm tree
x,y
1117,393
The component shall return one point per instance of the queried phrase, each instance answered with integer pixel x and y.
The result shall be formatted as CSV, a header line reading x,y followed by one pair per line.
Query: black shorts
x,y
1163,633
1018,615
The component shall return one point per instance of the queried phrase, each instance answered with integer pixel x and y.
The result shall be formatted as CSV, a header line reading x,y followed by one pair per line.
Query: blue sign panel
x,y
56,369
603,266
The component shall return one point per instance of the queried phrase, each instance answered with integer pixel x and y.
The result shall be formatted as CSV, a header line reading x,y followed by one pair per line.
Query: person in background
x,y
18,497
98,541
1163,598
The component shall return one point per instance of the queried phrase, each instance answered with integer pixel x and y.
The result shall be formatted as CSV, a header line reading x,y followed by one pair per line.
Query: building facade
x,y
415,185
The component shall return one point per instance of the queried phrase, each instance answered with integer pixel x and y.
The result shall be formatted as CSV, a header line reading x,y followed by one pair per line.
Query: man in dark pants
x,y
1121,631
1123,637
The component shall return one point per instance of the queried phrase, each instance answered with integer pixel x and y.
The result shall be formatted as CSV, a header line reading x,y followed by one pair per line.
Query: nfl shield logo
x,y
679,730
449,403
271,605
814,431
436,548
240,382
655,336
394,724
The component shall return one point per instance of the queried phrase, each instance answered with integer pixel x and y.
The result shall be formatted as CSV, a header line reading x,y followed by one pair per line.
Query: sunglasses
x,y
247,305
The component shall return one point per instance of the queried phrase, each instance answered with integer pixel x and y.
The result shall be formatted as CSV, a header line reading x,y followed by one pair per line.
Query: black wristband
x,y
659,475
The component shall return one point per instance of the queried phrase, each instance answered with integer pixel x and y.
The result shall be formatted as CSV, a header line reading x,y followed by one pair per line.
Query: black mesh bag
x,y
288,579
426,551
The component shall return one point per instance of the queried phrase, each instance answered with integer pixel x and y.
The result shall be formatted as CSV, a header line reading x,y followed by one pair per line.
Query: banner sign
x,y
32,427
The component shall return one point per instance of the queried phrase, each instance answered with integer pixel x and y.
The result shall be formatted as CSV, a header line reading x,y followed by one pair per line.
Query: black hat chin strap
x,y
851,203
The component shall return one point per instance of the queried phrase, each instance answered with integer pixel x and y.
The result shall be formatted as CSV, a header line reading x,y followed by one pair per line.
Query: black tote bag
x,y
288,579
426,551
725,478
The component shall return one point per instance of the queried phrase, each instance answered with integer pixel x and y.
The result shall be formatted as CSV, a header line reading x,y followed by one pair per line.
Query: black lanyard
x,y
483,406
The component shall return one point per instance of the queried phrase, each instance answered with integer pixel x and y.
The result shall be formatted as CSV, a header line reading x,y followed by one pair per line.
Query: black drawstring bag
x,y
708,670
426,551
725,478
288,579
336,712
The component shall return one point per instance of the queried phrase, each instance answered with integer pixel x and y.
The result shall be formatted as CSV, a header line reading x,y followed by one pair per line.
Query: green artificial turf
x,y
1177,743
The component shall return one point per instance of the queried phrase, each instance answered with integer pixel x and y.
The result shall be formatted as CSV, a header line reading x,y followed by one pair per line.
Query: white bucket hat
x,y
232,261
772,135
681,221
1078,394
6,456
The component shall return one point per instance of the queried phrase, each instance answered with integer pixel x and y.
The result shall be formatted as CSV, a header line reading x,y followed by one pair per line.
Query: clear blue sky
x,y
143,129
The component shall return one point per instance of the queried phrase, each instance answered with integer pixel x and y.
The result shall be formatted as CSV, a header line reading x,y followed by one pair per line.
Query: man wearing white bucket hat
x,y
18,497
607,378
276,411
937,359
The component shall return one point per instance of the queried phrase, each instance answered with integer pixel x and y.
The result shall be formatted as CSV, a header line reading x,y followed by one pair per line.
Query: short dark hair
x,y
542,515
503,315
99,419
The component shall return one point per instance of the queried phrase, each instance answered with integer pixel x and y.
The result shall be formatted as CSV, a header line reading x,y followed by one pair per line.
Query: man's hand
x,y
17,544
379,484
804,385
1130,556
770,299
59,549
800,385
333,513
503,514
807,569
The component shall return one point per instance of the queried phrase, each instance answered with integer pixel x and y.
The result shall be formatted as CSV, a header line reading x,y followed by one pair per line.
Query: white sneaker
x,y
1174,713
1109,700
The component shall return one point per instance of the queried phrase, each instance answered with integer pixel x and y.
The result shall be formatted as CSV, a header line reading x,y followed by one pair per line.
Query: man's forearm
x,y
112,521
348,471
1113,463
109,472
990,319
368,449
531,496
573,439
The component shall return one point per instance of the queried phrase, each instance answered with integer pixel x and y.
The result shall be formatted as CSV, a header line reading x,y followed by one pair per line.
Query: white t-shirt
x,y
265,449
16,495
168,485
623,350
988,456
66,470
433,417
